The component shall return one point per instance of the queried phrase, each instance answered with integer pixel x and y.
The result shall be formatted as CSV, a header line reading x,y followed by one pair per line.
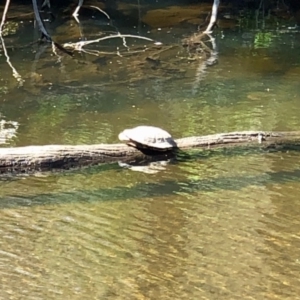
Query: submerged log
x,y
23,159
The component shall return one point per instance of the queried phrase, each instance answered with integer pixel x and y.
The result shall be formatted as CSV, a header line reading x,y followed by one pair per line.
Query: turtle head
x,y
123,136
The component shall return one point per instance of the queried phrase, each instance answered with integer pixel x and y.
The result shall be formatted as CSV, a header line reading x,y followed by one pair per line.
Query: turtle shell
x,y
148,137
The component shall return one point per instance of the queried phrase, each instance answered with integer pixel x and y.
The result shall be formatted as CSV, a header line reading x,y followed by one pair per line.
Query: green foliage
x,y
263,39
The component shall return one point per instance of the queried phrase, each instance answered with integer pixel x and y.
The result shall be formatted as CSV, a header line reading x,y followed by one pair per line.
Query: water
x,y
216,225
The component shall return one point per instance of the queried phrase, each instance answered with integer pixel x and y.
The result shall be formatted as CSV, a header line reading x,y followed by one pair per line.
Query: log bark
x,y
30,158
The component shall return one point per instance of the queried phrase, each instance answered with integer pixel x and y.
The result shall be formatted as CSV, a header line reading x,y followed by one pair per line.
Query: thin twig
x,y
98,53
78,46
106,14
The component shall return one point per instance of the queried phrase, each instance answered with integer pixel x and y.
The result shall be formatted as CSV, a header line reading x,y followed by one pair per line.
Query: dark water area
x,y
220,224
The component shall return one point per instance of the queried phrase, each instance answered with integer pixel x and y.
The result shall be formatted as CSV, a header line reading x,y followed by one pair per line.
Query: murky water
x,y
216,225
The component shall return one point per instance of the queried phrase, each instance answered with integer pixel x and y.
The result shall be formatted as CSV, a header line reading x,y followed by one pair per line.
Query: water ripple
x,y
211,232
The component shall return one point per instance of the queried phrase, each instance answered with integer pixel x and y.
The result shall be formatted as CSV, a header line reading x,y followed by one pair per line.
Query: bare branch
x,y
97,53
75,13
78,46
14,71
40,22
213,17
106,14
4,15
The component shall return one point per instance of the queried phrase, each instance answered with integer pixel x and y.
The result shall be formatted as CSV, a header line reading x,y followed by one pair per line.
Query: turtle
x,y
148,138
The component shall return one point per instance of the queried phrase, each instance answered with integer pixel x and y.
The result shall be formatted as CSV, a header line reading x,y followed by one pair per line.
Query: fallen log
x,y
30,158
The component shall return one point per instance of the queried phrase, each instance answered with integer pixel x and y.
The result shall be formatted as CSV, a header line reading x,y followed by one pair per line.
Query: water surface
x,y
216,225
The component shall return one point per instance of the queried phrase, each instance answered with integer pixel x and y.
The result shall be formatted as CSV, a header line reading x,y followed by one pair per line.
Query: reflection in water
x,y
8,130
149,168
213,226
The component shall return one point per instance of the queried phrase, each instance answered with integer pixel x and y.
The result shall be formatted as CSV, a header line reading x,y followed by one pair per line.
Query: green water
x,y
219,225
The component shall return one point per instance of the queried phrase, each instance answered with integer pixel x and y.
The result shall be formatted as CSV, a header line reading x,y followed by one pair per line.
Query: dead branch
x,y
75,13
101,10
43,30
4,15
78,46
195,39
213,17
14,71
